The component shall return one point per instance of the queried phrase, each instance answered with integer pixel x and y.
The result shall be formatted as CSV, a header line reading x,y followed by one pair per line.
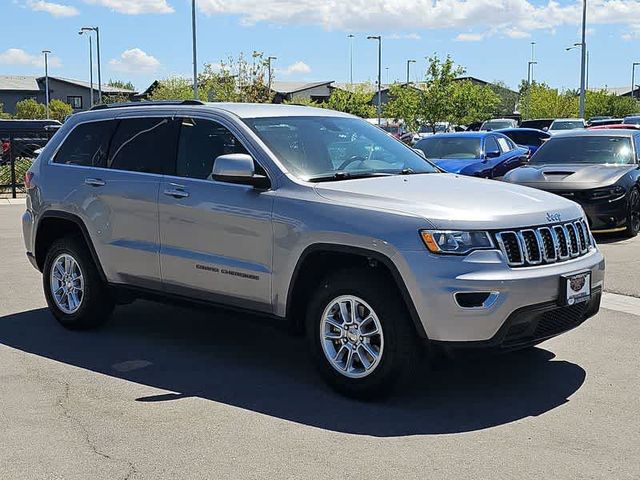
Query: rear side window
x,y
201,142
490,144
145,145
504,145
87,144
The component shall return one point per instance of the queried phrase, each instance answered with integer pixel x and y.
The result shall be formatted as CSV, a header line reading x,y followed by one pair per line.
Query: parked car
x,y
621,126
537,123
596,121
426,131
24,137
474,127
308,215
566,124
631,120
479,154
529,138
599,169
498,124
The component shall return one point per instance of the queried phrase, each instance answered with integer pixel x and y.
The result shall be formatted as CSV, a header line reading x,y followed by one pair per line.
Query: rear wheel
x,y
633,215
360,334
72,285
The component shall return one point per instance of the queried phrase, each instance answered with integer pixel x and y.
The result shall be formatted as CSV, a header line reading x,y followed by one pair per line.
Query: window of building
x,y
143,145
75,102
201,142
87,144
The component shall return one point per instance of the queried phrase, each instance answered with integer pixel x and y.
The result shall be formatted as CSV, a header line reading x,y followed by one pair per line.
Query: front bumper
x,y
603,214
433,282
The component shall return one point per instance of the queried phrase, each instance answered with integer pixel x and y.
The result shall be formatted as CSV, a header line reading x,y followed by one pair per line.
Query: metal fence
x,y
18,150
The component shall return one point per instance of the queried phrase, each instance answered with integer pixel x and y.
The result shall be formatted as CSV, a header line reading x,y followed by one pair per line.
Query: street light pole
x,y
88,30
409,62
379,106
195,54
350,37
82,32
633,79
532,62
530,72
269,69
583,60
46,79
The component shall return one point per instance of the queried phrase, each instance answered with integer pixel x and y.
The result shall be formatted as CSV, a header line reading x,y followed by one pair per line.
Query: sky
x,y
144,40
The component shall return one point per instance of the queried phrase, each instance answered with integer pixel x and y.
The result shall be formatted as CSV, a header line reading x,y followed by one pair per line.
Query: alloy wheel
x,y
67,283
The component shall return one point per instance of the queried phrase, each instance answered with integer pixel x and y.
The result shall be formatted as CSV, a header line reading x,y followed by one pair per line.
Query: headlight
x,y
608,192
455,242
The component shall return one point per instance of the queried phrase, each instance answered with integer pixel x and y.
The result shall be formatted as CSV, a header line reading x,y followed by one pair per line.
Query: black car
x,y
599,169
600,122
537,123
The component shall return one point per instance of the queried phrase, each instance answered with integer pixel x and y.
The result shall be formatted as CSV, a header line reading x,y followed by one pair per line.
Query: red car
x,y
624,126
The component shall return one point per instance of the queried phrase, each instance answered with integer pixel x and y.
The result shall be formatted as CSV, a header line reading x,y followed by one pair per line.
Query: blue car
x,y
530,138
479,154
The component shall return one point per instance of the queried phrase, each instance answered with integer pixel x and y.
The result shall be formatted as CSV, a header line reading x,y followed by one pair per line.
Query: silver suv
x,y
308,215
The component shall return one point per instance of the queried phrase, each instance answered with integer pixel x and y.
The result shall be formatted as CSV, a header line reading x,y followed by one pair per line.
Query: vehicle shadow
x,y
255,364
605,238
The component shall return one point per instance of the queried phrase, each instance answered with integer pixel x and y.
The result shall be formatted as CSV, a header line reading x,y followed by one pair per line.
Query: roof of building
x,y
293,87
105,88
21,83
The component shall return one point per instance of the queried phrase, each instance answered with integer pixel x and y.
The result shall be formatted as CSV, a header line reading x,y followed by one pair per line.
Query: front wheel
x,y
72,285
633,214
360,334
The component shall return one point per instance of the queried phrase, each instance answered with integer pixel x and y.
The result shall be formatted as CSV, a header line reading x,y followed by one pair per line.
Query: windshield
x,y
600,149
450,147
631,121
567,125
314,148
527,138
496,124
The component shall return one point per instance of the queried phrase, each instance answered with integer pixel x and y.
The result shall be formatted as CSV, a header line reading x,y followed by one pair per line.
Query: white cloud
x,y
17,56
135,61
632,33
403,36
297,67
469,37
55,9
134,7
376,15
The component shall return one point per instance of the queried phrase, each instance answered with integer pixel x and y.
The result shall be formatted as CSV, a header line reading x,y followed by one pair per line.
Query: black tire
x,y
400,352
96,304
633,214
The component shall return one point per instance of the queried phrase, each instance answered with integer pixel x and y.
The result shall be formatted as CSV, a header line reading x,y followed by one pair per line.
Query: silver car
x,y
308,215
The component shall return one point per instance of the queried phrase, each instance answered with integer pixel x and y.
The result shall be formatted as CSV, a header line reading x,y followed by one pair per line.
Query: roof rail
x,y
157,103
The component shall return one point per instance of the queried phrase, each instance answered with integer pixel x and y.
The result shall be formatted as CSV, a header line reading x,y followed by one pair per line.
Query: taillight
x,y
28,177
5,147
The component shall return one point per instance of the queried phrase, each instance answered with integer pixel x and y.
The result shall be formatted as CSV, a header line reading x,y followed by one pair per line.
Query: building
x,y
76,93
301,91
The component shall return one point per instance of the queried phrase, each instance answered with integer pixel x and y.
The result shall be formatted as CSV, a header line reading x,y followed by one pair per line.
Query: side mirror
x,y
238,168
420,152
493,154
545,129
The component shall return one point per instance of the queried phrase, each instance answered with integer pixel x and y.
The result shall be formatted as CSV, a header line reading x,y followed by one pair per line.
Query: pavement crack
x,y
63,403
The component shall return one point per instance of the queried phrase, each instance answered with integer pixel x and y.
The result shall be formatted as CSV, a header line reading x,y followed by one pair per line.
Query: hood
x,y
454,165
452,201
568,177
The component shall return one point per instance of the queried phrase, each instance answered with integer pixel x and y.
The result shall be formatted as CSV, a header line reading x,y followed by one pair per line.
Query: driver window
x,y
201,142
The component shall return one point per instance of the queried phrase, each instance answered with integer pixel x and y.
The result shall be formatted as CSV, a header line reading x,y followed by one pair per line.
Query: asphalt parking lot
x,y
165,392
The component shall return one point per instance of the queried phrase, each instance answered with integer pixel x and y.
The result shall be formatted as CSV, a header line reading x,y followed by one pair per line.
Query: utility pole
x,y
350,37
633,79
583,62
379,106
409,62
269,59
46,79
195,54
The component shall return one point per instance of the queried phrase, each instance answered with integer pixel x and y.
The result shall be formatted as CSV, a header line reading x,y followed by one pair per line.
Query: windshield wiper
x,y
342,175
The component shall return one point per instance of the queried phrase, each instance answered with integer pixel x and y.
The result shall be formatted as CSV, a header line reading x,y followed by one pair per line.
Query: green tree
x,y
538,100
508,99
472,103
3,114
356,101
437,93
126,85
30,109
404,105
173,88
58,110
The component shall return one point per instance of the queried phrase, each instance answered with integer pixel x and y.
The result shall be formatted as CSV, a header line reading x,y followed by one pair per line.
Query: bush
x,y
58,110
30,109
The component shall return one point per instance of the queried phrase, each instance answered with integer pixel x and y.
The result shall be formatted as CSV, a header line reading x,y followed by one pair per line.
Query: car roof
x,y
596,133
242,110
481,134
521,129
569,120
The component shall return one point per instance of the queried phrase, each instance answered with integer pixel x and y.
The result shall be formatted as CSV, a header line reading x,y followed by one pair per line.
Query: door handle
x,y
95,182
175,193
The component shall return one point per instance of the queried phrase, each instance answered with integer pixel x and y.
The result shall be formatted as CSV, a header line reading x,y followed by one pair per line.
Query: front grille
x,y
544,245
